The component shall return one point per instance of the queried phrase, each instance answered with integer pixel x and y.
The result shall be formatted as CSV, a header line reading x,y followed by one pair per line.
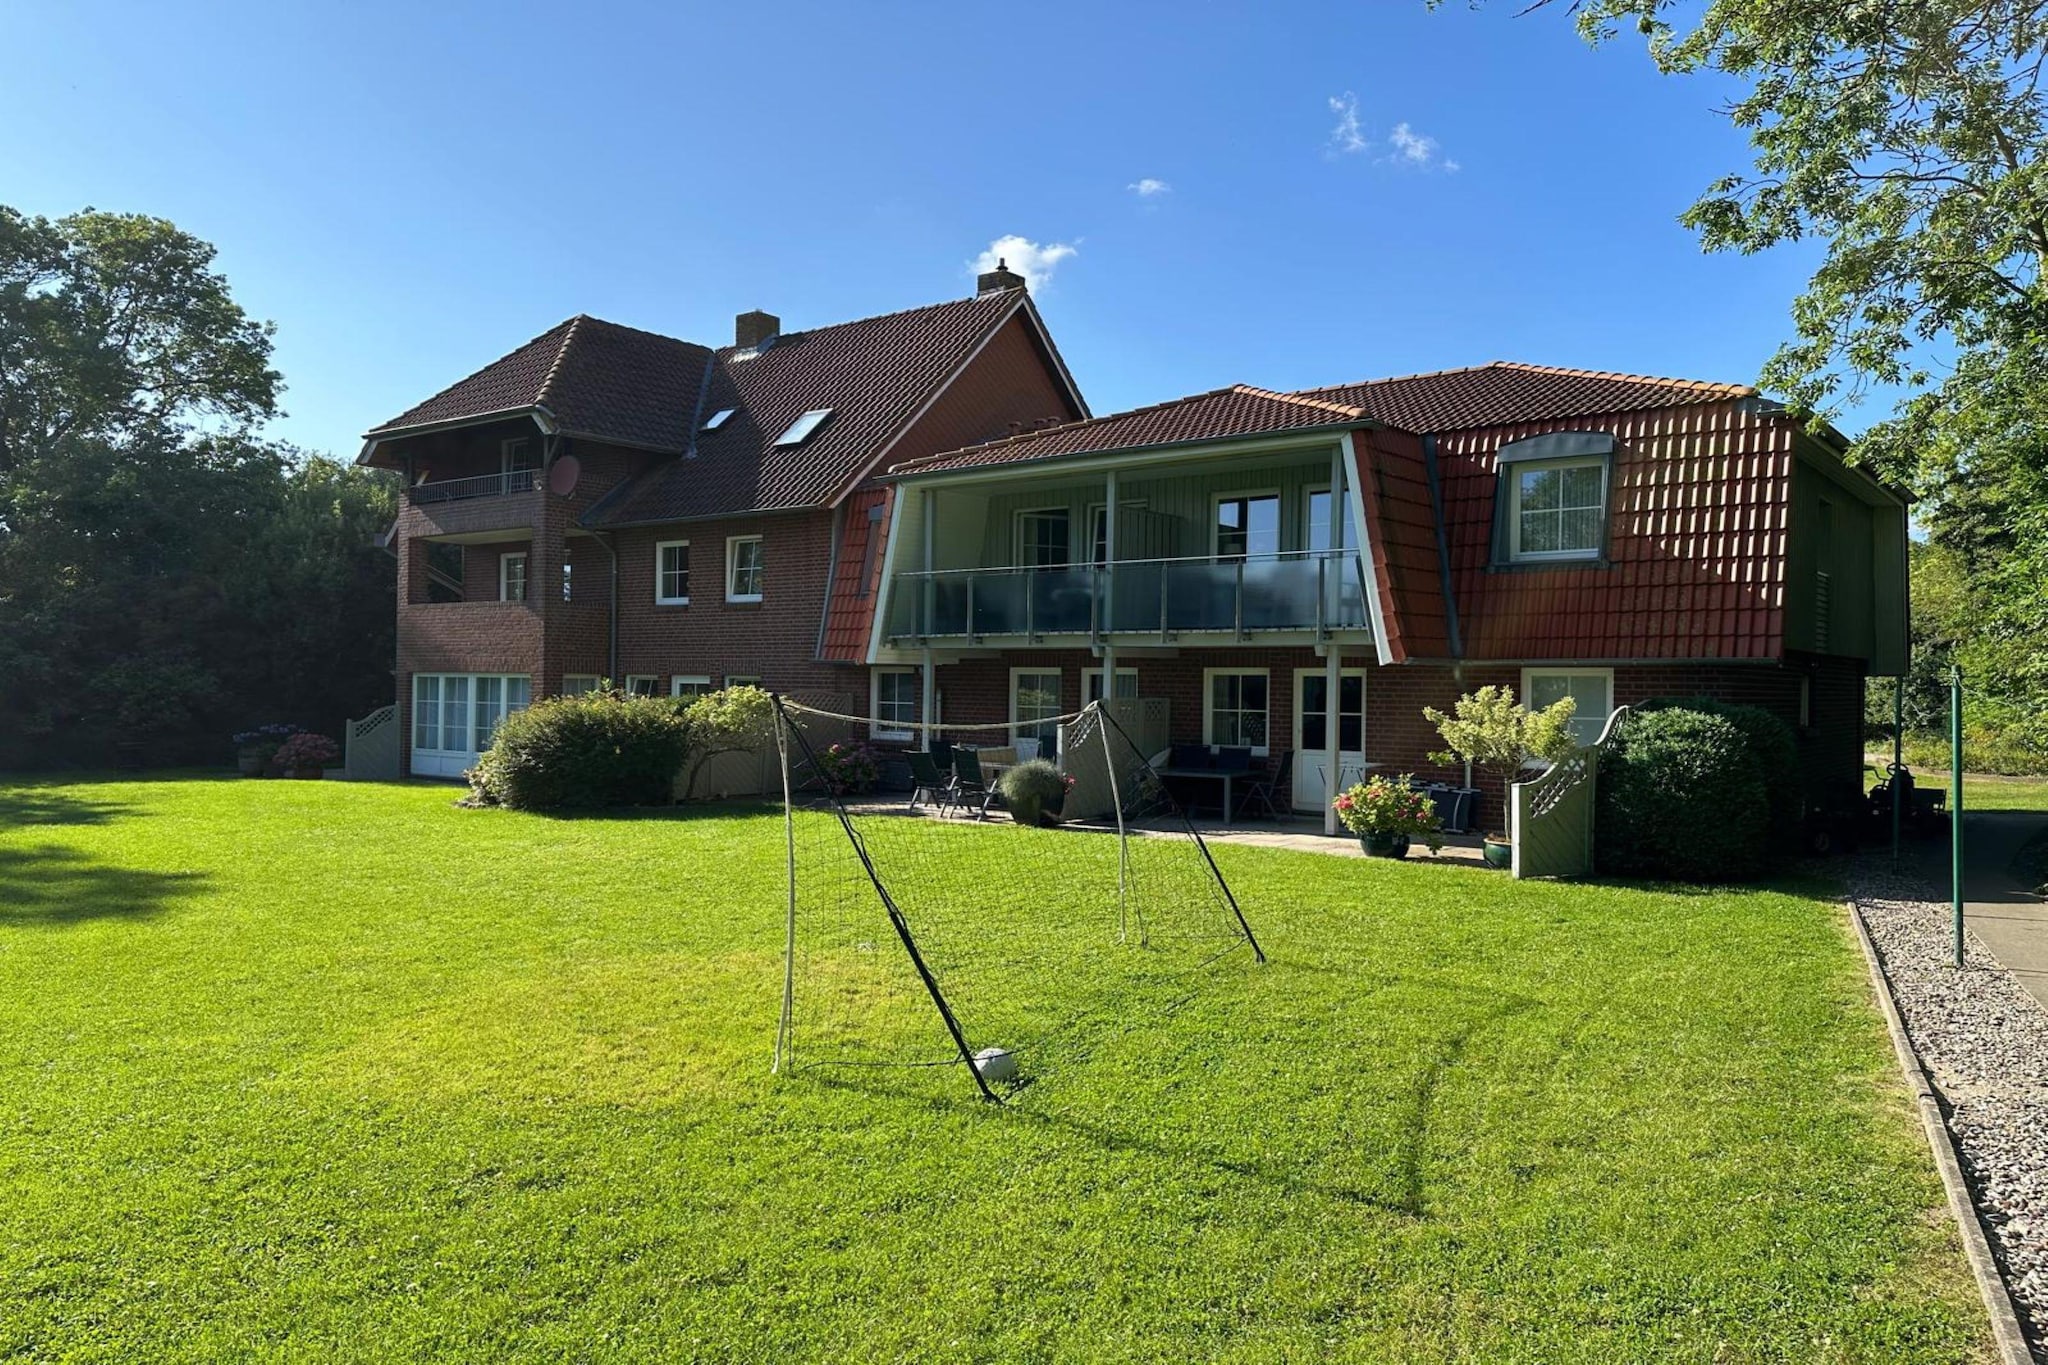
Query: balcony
x,y
480,486
1298,593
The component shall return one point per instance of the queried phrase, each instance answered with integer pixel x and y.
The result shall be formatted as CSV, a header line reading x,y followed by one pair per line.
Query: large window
x,y
512,577
1557,510
743,569
672,573
1248,526
1043,538
1591,688
1235,707
1034,702
458,713
895,703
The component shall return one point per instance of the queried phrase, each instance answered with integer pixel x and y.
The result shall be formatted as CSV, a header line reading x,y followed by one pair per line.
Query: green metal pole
x,y
1898,755
1955,800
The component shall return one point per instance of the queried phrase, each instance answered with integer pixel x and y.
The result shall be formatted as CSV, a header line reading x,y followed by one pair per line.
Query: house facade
x,y
915,518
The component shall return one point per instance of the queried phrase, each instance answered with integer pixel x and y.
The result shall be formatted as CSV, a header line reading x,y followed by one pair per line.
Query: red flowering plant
x,y
306,750
1389,805
849,768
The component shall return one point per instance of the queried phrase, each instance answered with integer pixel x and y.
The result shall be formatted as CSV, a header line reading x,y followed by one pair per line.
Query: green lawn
x,y
321,1071
2004,793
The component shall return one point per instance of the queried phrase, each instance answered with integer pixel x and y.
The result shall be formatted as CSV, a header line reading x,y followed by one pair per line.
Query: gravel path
x,y
1984,1042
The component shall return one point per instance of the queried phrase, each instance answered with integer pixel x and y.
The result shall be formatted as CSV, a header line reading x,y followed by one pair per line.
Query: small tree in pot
x,y
1490,730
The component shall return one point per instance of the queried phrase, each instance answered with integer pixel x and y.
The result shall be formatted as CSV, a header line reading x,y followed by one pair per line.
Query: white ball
x,y
995,1064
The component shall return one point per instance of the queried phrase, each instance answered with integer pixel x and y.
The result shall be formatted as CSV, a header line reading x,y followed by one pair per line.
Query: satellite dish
x,y
562,476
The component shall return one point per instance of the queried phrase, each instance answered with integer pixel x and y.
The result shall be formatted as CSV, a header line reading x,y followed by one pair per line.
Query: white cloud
x,y
1416,149
1149,188
1033,261
1346,137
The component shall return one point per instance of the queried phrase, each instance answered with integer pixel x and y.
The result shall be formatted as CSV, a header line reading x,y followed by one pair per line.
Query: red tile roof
x,y
597,379
1509,391
874,374
1408,563
1219,414
857,575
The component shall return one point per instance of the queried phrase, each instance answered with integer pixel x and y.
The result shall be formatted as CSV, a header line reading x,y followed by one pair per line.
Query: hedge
x,y
585,753
1696,791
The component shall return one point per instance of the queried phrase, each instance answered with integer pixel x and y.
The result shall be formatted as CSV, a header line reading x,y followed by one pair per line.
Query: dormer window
x,y
801,429
1551,505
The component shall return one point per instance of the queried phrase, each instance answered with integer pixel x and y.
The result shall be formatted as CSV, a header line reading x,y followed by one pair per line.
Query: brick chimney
x,y
751,329
1002,277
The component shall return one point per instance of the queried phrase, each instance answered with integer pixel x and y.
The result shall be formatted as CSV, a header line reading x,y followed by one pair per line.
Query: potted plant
x,y
849,769
306,754
1387,814
255,748
1489,730
1029,790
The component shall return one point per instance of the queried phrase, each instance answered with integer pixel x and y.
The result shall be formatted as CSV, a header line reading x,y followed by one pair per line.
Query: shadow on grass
x,y
50,885
737,809
38,806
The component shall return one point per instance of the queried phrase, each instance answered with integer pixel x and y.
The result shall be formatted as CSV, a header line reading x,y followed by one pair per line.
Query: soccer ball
x,y
995,1064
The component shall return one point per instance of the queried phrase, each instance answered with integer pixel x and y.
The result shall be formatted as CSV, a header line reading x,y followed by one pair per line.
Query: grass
x,y
324,1071
1981,791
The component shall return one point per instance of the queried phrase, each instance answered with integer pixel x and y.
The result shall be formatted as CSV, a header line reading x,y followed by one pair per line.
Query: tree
x,y
729,721
1908,135
1490,730
113,323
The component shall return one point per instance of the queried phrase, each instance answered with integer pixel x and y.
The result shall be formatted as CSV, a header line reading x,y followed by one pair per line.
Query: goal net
x,y
929,928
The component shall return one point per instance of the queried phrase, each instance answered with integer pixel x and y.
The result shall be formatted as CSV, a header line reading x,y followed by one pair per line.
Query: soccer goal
x,y
928,929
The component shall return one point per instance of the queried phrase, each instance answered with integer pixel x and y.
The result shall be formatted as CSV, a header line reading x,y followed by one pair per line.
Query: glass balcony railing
x,y
1292,592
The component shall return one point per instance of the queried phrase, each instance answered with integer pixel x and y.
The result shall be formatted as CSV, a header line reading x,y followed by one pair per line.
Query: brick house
x,y
915,517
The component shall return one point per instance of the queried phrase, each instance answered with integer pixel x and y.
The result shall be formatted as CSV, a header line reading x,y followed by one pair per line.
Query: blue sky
x,y
1340,190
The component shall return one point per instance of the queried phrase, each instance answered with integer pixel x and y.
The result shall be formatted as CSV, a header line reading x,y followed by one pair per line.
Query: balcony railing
x,y
481,486
1317,592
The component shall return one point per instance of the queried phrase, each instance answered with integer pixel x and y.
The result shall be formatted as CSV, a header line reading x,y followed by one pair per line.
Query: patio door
x,y
1312,736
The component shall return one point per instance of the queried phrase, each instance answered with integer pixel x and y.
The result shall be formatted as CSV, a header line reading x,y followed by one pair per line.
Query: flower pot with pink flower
x,y
306,755
1387,814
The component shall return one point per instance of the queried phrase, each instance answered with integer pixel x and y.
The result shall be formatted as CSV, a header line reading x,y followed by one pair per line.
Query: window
x,y
1591,688
743,680
1034,701
426,711
1234,707
1247,526
643,685
519,456
459,713
1098,528
578,684
512,577
1558,510
743,569
689,685
800,430
1042,537
672,573
1317,533
716,419
1126,684
895,702
566,576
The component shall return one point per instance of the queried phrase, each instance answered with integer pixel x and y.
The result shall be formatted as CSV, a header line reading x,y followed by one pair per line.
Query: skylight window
x,y
800,430
716,419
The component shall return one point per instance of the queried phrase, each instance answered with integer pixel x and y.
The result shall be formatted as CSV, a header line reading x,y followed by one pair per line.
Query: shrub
x,y
1775,748
1684,794
849,768
1385,805
1490,730
729,721
307,750
1034,782
584,753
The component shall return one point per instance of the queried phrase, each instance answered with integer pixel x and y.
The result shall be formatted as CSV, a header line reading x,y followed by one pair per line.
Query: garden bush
x,y
1776,749
584,753
1687,793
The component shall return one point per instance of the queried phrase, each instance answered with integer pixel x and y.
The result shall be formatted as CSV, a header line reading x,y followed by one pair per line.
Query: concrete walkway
x,y
2005,915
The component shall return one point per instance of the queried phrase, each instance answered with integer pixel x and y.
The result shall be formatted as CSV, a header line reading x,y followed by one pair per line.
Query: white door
x,y
1312,735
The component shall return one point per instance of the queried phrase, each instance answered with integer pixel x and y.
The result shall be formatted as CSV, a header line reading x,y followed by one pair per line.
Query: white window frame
x,y
1092,678
589,683
876,728
634,683
661,549
1310,525
1017,722
743,680
506,450
504,575
1021,517
1216,502
1209,676
732,544
1529,676
1514,472
678,681
1095,511
438,759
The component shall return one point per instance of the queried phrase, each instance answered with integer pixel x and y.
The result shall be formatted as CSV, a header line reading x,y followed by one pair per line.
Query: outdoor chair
x,y
942,753
1270,793
928,782
970,788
